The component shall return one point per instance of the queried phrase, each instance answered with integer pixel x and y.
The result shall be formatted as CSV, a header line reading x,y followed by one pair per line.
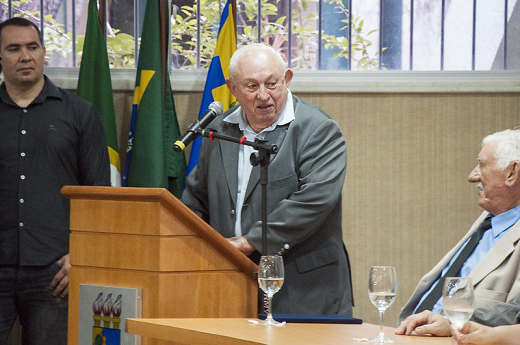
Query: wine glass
x,y
458,300
270,280
382,290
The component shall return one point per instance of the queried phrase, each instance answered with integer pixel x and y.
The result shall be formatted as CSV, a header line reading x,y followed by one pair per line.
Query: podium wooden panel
x,y
146,238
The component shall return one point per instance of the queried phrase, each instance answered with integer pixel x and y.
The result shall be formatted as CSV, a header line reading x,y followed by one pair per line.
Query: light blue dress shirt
x,y
499,226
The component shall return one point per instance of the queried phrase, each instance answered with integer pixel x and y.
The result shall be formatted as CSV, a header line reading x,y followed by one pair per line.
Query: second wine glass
x,y
382,290
458,300
270,279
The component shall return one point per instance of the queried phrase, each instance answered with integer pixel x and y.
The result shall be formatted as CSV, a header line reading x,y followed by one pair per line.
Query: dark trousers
x,y
25,292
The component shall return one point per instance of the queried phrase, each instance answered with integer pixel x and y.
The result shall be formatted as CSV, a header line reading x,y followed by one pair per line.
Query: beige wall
x,y
406,195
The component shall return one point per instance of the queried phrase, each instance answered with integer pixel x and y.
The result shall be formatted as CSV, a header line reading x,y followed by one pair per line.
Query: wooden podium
x,y
146,238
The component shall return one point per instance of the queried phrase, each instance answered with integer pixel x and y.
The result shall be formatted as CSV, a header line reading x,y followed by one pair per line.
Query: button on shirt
x,y
244,165
499,226
57,140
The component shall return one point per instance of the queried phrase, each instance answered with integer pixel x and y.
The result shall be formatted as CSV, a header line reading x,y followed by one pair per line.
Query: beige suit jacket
x,y
496,278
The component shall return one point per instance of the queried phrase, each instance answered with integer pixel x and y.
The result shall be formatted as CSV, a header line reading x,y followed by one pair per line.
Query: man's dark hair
x,y
22,22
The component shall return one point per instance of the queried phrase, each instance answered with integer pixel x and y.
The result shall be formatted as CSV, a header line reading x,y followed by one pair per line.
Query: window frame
x,y
317,82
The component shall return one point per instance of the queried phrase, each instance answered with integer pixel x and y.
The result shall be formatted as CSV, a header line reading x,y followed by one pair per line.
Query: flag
x,y
150,159
95,85
215,88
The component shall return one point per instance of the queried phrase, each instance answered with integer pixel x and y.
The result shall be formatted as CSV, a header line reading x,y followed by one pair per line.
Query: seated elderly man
x,y
487,253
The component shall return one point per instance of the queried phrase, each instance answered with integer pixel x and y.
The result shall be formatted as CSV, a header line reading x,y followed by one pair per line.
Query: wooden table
x,y
241,332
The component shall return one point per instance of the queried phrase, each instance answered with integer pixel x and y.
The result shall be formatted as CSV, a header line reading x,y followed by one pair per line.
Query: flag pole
x,y
103,16
163,34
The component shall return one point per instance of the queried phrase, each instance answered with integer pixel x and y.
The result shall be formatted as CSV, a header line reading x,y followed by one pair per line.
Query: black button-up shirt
x,y
57,140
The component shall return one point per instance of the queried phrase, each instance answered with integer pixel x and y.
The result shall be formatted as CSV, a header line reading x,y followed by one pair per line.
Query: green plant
x,y
186,45
120,49
184,35
120,46
360,42
274,31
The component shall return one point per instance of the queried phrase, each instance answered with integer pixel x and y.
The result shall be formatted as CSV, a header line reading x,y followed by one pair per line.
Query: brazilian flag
x,y
150,159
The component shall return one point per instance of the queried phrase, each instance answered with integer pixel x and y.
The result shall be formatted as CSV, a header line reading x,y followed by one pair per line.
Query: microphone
x,y
215,109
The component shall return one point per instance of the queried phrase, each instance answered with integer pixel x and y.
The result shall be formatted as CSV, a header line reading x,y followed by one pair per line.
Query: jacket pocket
x,y
488,298
283,182
318,258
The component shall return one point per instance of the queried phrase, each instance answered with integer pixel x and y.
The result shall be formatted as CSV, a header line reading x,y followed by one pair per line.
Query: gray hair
x,y
507,148
252,48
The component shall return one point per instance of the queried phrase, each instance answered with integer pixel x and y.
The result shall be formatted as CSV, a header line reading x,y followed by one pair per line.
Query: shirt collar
x,y
48,90
4,97
238,117
505,220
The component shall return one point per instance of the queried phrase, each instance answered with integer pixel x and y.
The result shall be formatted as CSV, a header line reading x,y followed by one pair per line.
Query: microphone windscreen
x,y
216,107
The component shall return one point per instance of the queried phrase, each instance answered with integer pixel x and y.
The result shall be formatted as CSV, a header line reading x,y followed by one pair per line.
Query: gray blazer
x,y
496,278
303,205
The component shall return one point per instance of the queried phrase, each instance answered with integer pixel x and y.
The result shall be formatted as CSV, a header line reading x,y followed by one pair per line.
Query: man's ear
x,y
513,174
288,76
231,86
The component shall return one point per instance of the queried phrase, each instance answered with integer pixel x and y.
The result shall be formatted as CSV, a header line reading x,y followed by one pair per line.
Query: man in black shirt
x,y
48,138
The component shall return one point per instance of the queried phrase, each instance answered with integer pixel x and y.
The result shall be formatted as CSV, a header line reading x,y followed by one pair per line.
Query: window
x,y
419,35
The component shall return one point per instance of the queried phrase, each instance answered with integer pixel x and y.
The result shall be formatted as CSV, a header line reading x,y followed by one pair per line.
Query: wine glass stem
x,y
269,314
381,332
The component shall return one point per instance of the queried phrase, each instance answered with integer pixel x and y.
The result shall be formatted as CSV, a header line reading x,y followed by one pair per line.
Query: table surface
x,y
240,332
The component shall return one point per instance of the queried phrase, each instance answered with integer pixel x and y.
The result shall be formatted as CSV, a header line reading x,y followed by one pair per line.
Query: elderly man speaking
x,y
304,191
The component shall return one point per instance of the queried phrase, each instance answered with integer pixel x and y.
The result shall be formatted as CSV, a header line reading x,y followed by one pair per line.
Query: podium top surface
x,y
118,193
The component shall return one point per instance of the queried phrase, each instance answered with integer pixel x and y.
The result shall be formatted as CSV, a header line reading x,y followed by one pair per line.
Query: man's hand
x,y
425,323
242,244
60,283
472,333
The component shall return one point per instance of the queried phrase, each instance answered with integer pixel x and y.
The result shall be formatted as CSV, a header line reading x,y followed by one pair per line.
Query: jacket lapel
x,y
496,255
229,154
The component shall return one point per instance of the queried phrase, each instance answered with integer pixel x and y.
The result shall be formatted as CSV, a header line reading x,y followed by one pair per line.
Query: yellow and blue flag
x,y
215,88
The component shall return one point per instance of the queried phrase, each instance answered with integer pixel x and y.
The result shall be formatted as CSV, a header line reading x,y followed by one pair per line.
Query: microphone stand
x,y
262,157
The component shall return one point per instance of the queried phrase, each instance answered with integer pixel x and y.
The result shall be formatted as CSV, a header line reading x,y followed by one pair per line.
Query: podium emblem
x,y
102,314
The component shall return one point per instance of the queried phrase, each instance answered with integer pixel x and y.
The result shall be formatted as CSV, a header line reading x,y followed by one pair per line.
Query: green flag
x,y
95,85
150,159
